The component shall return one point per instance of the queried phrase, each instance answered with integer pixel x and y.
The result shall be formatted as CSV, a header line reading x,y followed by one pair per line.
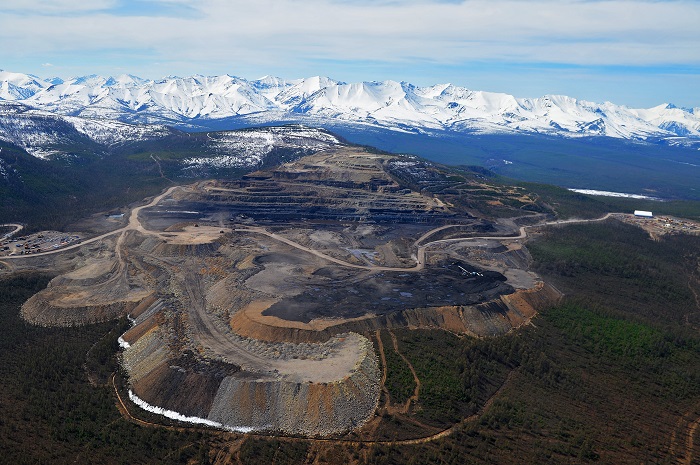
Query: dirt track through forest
x,y
688,446
18,228
160,169
693,277
414,398
690,442
382,357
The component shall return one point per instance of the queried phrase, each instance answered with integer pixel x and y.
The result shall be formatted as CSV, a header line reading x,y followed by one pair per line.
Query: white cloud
x,y
56,6
616,32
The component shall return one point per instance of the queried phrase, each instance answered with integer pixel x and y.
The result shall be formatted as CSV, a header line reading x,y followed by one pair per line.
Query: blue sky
x,y
633,52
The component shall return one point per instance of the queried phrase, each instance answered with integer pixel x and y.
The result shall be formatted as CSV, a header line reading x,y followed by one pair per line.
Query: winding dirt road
x,y
18,228
420,252
416,391
134,224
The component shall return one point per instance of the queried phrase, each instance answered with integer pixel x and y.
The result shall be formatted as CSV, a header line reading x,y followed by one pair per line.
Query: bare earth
x,y
259,316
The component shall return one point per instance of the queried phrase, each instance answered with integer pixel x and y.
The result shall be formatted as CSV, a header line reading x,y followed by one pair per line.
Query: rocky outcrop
x,y
181,389
146,354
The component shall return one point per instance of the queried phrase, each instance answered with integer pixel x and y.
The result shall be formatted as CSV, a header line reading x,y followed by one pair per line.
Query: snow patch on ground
x,y
183,418
614,194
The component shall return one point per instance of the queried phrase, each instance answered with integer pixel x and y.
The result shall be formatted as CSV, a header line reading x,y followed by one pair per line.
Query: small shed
x,y
643,214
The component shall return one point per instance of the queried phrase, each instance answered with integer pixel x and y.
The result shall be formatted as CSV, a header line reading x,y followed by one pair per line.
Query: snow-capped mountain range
x,y
198,100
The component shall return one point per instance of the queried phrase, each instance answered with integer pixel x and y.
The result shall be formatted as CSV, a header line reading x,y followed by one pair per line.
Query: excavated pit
x,y
252,300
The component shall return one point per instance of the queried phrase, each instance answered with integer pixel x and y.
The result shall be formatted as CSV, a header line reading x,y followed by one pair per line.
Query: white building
x,y
643,214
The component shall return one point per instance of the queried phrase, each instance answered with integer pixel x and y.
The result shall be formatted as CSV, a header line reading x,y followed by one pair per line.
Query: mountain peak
x,y
389,103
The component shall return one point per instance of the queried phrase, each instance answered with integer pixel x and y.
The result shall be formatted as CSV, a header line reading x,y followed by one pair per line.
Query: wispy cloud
x,y
241,34
577,32
44,7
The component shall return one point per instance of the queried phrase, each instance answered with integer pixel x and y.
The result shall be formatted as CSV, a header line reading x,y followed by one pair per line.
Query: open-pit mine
x,y
254,301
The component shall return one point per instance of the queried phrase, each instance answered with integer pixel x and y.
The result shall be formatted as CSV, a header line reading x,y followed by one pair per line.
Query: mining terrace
x,y
252,300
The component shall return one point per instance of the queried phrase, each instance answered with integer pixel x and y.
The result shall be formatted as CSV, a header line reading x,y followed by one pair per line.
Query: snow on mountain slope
x,y
213,97
109,132
17,86
198,99
557,113
301,89
44,134
5,171
387,101
36,132
247,148
172,98
270,86
673,119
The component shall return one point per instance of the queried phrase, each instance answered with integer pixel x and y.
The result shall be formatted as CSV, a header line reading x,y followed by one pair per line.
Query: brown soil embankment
x,y
491,318
147,325
143,306
183,390
49,308
303,408
240,399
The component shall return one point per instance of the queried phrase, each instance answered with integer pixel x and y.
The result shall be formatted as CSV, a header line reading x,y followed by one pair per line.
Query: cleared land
x,y
254,301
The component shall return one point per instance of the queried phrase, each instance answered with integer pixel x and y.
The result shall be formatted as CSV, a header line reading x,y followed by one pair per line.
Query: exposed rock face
x,y
354,187
145,354
264,400
301,407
